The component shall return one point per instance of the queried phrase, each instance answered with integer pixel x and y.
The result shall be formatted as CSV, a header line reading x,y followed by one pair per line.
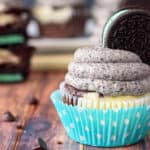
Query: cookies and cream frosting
x,y
7,57
109,72
47,14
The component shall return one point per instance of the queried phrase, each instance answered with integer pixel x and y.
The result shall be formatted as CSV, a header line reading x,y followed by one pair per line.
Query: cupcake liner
x,y
102,104
104,128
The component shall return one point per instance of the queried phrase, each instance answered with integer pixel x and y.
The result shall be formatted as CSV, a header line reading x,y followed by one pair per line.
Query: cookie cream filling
x,y
47,14
7,19
7,57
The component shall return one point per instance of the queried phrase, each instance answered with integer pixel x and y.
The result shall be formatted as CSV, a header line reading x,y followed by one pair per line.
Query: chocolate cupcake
x,y
64,18
105,98
128,29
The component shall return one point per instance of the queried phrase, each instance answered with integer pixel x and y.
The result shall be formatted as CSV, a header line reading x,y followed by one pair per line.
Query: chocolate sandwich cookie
x,y
129,29
15,63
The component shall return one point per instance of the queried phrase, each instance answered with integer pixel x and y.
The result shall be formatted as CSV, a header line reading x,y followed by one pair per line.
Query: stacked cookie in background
x,y
14,52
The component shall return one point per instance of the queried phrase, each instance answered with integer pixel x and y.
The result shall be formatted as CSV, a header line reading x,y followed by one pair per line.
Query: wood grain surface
x,y
41,120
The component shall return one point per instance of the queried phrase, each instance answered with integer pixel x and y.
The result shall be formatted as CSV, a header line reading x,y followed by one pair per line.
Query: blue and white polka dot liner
x,y
103,128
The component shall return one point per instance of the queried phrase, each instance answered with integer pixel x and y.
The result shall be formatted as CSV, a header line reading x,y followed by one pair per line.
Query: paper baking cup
x,y
107,128
118,104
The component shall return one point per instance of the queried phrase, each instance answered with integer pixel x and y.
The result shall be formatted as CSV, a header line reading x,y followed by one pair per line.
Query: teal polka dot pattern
x,y
103,128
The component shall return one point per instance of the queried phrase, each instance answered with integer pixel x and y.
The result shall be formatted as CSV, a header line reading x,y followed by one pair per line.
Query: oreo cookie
x,y
129,29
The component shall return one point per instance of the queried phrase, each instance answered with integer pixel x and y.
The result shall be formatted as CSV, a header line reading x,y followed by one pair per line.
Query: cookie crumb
x,y
8,117
59,142
33,100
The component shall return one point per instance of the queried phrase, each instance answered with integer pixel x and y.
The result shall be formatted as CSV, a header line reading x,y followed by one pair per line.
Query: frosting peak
x,y
109,72
102,55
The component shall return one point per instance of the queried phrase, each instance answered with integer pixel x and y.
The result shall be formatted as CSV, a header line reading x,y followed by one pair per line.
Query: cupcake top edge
x,y
104,55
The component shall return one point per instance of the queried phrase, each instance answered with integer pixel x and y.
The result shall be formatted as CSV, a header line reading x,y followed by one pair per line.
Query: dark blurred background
x,y
56,30
30,3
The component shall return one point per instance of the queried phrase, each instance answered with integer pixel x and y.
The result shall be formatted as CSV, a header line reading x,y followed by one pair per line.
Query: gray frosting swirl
x,y
109,72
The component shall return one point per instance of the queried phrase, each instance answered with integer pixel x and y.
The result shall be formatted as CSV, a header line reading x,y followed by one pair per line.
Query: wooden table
x,y
41,120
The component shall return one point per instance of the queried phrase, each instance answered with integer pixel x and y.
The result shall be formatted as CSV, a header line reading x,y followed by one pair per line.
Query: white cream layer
x,y
7,19
7,57
47,14
93,101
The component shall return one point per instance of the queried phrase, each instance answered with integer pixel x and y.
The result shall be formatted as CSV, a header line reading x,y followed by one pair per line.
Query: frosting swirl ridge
x,y
109,72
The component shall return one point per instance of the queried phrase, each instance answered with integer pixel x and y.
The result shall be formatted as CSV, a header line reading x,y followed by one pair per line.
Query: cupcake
x,y
105,98
66,18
